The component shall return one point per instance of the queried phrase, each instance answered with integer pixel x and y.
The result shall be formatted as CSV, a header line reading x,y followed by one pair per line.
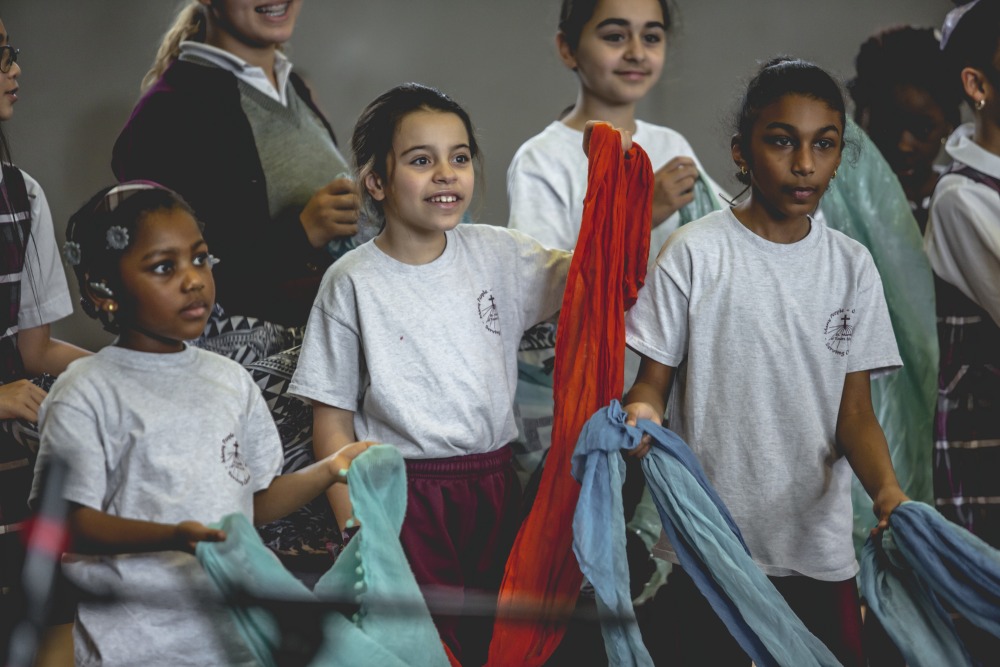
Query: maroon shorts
x,y
462,515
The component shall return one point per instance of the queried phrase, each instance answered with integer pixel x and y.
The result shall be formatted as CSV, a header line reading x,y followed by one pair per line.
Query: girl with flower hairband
x,y
33,294
163,438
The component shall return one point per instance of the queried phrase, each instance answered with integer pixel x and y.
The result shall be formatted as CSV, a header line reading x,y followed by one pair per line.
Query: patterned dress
x,y
967,423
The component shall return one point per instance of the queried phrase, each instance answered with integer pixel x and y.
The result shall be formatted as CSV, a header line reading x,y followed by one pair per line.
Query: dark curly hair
x,y
903,56
92,256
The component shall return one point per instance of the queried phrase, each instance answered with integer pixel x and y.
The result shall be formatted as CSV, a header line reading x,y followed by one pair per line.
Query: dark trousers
x,y
462,515
831,610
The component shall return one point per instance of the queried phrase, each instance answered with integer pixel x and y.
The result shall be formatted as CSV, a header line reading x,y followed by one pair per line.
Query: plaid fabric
x,y
16,461
967,423
15,225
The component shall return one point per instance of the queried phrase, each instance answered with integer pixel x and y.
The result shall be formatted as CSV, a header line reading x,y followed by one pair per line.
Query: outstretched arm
x,y
95,532
289,492
647,399
860,437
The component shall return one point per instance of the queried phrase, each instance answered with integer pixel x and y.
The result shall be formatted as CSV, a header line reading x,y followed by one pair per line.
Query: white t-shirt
x,y
426,355
768,333
164,438
962,239
547,182
44,293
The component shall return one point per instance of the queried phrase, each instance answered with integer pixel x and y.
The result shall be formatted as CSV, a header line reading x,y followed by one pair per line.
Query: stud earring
x,y
980,104
111,306
834,175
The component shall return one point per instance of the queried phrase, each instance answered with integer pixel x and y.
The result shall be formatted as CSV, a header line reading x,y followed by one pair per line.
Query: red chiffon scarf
x,y
542,578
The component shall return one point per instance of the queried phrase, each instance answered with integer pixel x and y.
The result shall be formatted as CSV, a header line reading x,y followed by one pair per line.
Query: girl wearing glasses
x,y
33,294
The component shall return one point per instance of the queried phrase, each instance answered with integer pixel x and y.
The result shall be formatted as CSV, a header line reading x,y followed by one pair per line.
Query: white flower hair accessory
x,y
71,251
117,237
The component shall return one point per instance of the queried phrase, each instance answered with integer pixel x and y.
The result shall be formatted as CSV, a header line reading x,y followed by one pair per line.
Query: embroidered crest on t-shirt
x,y
231,458
839,331
487,306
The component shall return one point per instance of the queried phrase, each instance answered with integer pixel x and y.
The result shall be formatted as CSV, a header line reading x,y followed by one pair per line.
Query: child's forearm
x,y
863,442
861,439
652,386
95,532
333,428
291,491
43,354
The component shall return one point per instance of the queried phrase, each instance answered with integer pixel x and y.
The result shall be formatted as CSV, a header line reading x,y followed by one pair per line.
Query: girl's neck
x,y
987,134
769,224
410,247
142,340
588,107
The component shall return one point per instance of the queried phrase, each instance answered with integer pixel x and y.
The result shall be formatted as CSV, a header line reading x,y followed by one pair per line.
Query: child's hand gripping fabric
x,y
589,129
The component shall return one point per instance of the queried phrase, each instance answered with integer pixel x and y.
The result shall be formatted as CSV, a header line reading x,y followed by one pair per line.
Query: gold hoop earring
x,y
743,170
980,104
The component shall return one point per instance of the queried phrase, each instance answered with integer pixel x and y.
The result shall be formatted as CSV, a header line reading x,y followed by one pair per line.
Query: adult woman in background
x,y
226,123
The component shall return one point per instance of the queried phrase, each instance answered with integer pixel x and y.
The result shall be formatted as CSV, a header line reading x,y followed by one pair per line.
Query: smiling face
x,y
166,275
795,147
621,51
430,177
247,25
8,82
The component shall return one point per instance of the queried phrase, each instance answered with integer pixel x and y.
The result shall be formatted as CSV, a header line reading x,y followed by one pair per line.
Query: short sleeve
x,y
44,293
873,343
962,241
538,206
72,435
657,325
261,435
329,368
542,275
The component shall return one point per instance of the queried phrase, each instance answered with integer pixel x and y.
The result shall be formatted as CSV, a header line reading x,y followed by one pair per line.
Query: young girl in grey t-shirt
x,y
773,324
159,438
413,341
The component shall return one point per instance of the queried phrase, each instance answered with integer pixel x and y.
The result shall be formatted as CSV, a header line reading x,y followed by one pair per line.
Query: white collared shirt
x,y
249,74
962,239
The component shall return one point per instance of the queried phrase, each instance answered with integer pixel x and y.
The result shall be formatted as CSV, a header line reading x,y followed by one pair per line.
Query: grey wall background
x,y
83,61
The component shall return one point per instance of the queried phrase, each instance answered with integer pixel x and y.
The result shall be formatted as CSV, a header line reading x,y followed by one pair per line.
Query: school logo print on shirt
x,y
839,331
488,311
231,458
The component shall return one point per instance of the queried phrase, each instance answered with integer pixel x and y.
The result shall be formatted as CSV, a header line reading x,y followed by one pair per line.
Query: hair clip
x,y
114,197
117,237
101,289
71,251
